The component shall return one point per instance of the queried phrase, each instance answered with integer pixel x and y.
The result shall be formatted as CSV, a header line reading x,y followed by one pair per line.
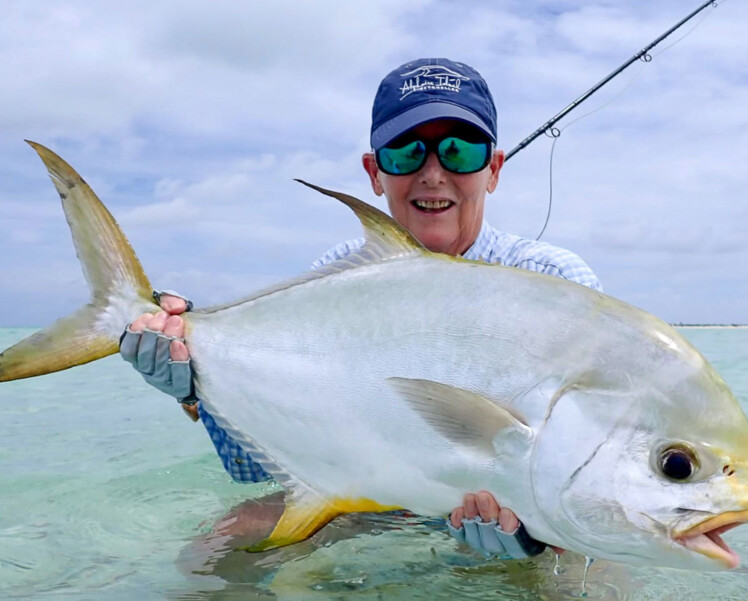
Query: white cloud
x,y
191,119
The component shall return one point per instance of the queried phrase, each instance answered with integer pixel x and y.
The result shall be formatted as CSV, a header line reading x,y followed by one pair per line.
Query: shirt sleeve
x,y
559,262
338,252
236,461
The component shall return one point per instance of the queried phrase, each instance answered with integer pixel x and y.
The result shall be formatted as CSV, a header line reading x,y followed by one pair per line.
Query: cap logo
x,y
431,77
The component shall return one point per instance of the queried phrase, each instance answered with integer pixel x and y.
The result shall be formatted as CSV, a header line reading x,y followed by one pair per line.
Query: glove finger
x,y
181,379
128,346
161,375
456,533
490,542
472,535
488,538
147,352
520,544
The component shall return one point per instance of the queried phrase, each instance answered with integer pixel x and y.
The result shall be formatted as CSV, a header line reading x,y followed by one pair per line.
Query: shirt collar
x,y
481,245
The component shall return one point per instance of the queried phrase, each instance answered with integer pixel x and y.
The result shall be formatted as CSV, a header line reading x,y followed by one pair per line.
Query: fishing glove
x,y
148,352
489,539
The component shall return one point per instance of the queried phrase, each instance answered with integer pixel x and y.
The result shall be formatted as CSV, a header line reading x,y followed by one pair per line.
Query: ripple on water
x,y
106,487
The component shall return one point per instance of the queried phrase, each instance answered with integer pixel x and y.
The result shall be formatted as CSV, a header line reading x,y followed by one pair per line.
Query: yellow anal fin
x,y
301,520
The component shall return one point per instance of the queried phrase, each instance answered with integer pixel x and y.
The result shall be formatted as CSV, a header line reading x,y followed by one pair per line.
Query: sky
x,y
190,119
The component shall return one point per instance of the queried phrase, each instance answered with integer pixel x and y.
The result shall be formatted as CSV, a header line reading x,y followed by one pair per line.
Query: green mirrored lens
x,y
403,160
460,156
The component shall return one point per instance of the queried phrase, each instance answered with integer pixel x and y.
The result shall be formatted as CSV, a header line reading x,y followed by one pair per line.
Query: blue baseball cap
x,y
426,89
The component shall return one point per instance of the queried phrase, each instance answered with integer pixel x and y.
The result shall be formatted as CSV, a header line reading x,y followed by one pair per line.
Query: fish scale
x,y
401,378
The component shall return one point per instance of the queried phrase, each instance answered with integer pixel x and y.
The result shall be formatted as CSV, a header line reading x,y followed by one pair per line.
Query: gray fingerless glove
x,y
148,352
489,539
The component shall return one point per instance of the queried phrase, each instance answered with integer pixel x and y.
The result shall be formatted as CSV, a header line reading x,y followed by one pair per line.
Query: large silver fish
x,y
402,378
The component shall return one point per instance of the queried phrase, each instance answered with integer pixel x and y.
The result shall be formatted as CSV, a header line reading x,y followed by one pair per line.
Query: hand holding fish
x,y
485,526
169,373
394,376
484,504
170,324
624,388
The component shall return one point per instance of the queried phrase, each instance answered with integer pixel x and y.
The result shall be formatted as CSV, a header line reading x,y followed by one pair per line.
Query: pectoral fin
x,y
306,515
461,416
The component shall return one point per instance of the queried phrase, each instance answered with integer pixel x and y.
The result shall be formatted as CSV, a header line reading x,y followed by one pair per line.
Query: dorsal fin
x,y
386,239
383,234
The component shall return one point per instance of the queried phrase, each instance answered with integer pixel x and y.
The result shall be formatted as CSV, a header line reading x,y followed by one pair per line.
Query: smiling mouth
x,y
432,206
705,537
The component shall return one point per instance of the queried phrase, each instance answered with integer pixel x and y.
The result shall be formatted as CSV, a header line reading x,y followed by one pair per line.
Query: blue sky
x,y
191,119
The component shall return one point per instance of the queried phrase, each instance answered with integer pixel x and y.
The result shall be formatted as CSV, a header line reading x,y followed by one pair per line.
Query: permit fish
x,y
402,378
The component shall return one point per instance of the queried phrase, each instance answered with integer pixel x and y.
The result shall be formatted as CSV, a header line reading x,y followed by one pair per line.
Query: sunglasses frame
x,y
433,146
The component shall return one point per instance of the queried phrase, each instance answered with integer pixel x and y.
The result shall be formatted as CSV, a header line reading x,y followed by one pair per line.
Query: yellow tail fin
x,y
119,287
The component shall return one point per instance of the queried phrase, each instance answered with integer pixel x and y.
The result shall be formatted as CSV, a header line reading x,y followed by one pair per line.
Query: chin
x,y
436,244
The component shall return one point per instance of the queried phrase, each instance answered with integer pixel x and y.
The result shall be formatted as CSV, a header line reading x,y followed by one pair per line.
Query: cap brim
x,y
389,130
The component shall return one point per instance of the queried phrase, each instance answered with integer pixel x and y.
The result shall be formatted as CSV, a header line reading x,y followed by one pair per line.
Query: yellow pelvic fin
x,y
302,519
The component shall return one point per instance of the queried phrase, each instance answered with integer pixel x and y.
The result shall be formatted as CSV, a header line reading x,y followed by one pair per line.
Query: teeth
x,y
432,204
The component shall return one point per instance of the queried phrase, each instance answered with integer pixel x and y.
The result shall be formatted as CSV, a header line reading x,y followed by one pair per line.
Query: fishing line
x,y
548,127
555,133
690,31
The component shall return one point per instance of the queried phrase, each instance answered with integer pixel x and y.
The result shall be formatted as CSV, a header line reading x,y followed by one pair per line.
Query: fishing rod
x,y
643,54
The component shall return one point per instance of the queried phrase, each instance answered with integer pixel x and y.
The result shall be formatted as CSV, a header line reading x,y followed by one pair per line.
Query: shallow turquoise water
x,y
108,492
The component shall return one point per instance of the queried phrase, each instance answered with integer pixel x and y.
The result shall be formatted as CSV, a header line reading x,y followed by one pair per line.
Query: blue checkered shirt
x,y
236,461
491,246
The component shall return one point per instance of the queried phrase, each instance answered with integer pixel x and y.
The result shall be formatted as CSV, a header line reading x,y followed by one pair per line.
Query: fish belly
x,y
304,373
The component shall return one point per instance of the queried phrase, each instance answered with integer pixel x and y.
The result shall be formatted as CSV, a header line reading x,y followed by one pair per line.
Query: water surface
x,y
108,492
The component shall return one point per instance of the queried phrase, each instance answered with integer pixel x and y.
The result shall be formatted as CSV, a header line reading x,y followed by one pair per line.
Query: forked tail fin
x,y
119,287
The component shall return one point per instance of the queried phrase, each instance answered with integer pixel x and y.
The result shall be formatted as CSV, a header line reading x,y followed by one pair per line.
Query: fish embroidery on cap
x,y
431,77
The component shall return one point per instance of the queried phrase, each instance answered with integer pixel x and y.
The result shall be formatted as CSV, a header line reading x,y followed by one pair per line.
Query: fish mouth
x,y
705,537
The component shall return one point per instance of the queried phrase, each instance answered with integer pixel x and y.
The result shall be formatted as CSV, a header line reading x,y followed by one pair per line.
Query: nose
x,y
432,173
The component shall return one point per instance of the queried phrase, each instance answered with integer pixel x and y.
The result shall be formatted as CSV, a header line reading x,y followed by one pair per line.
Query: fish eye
x,y
677,462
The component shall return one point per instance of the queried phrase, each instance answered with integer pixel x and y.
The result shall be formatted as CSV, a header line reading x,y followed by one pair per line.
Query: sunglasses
x,y
454,154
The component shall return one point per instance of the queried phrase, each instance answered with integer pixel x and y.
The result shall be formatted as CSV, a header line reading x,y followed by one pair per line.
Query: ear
x,y
370,166
497,162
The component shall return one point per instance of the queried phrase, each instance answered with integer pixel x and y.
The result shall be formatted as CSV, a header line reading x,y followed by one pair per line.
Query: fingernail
x,y
174,326
508,520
